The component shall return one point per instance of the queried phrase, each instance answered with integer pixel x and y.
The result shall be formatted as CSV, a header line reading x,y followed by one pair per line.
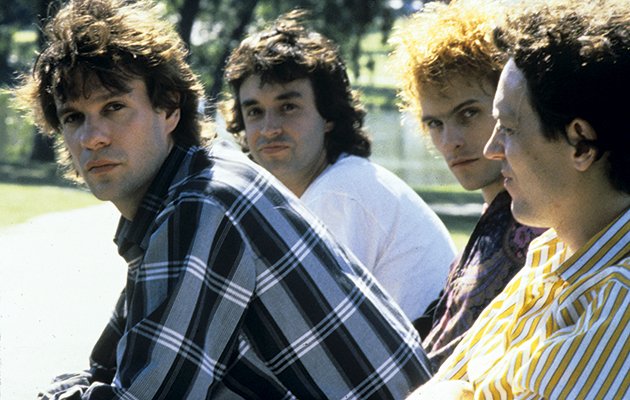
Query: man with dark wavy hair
x,y
561,328
292,108
232,286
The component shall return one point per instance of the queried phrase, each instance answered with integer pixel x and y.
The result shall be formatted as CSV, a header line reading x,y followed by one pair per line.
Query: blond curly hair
x,y
443,41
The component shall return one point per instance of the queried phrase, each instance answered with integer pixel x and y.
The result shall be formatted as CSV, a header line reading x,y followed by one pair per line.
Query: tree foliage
x,y
211,28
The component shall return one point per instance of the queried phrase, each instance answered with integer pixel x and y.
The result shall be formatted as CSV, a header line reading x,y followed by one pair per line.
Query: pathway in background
x,y
60,276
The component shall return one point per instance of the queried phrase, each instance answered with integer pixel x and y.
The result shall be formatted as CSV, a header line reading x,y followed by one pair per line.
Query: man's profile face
x,y
117,141
538,172
459,120
284,131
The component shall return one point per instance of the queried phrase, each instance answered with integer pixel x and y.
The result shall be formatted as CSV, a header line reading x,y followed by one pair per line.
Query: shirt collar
x,y
606,248
130,233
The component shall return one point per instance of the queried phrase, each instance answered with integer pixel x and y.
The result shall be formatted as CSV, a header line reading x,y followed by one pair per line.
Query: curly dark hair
x,y
575,57
112,41
288,51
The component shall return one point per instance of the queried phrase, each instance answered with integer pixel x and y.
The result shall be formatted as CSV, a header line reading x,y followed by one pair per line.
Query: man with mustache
x,y
232,285
291,106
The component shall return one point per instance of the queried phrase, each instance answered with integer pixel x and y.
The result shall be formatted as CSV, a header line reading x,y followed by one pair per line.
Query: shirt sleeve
x,y
186,301
587,358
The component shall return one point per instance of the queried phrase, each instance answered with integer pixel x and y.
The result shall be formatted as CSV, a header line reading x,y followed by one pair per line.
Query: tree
x,y
43,145
211,28
219,25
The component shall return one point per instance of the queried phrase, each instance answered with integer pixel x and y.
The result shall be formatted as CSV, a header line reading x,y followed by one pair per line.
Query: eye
x,y
288,107
433,124
504,130
468,113
466,116
252,112
70,118
114,106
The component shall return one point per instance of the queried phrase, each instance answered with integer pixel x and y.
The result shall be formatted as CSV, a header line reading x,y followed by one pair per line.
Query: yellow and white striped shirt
x,y
559,330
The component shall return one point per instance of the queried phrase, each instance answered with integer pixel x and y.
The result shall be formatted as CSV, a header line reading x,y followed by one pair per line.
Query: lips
x,y
461,162
98,166
272,147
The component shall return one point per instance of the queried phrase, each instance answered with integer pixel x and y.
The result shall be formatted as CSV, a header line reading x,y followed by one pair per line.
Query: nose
x,y
272,125
452,137
494,149
94,134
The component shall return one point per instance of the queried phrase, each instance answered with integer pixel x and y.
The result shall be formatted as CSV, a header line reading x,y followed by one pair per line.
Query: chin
x,y
526,215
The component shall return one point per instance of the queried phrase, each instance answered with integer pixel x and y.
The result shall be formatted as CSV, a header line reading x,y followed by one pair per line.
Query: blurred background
x,y
59,271
212,28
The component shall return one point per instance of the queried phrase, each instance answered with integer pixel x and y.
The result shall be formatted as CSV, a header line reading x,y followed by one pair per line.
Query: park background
x,y
59,272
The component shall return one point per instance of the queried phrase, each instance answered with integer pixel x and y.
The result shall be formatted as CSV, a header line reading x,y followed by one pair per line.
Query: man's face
x,y
459,120
117,141
538,173
284,131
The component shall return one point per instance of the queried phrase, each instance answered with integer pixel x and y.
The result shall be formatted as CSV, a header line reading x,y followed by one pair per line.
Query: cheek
x,y
436,139
71,143
250,136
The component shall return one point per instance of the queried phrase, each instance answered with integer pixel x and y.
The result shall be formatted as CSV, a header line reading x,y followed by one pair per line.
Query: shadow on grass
x,y
33,174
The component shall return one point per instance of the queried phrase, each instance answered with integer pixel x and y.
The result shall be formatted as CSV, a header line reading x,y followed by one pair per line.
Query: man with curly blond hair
x,y
561,327
232,286
448,68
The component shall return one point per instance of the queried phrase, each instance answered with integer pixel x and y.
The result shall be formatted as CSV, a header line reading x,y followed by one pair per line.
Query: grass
x,y
23,202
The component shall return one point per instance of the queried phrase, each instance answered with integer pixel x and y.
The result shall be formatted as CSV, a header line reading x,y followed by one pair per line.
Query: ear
x,y
329,126
580,135
172,119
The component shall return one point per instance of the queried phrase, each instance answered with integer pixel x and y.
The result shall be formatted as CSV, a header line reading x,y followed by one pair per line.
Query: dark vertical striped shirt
x,y
233,284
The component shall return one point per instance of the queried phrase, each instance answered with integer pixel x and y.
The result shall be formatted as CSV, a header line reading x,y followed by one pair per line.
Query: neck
x,y
577,230
298,183
491,191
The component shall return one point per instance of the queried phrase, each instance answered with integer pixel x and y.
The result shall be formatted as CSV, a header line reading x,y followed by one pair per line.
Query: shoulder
x,y
612,280
359,176
221,176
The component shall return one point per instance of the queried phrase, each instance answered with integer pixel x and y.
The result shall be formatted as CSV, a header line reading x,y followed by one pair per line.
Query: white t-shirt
x,y
387,226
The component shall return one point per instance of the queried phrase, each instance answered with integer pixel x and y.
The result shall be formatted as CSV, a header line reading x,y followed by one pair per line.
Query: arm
x,y
444,390
590,355
586,353
185,306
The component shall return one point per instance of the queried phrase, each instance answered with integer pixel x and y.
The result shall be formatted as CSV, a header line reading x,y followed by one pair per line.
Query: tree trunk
x,y
43,146
188,12
244,17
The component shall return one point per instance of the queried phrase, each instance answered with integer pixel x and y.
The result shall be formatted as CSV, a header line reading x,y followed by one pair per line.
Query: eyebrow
x,y
292,94
455,110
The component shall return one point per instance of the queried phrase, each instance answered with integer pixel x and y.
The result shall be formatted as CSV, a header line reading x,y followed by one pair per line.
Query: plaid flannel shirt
x,y
232,284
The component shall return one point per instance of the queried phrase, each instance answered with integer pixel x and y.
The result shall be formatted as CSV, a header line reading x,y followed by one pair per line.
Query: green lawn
x,y
20,203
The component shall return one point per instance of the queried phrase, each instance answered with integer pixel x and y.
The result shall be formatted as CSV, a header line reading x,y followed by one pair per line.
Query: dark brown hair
x,y
288,51
575,57
111,42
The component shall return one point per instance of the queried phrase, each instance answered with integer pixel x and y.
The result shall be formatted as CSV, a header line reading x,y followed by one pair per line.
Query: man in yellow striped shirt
x,y
561,327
